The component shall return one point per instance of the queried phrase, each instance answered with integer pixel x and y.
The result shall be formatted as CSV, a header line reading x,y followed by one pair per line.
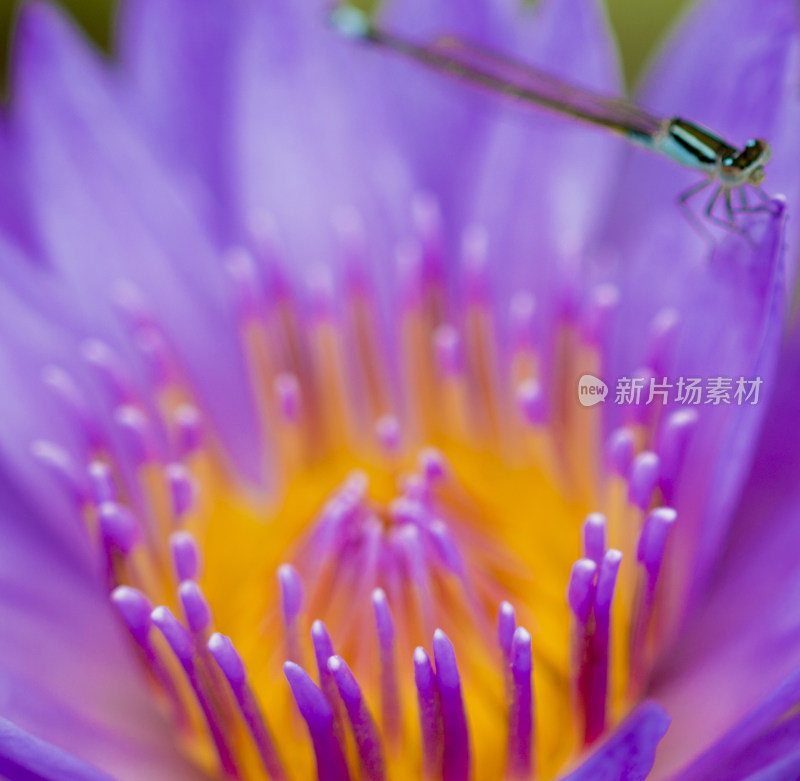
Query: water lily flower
x,y
296,482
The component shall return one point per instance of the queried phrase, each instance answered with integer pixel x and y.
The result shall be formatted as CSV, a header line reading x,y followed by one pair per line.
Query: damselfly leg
x,y
727,220
746,207
692,218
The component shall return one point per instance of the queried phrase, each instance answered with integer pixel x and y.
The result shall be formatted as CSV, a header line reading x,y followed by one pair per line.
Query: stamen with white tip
x,y
314,708
232,667
365,732
390,692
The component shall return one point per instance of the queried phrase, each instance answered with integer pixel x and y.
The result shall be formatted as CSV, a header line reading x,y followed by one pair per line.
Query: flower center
x,y
431,485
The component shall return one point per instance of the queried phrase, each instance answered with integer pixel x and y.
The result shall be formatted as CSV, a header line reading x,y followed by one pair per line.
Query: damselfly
x,y
727,168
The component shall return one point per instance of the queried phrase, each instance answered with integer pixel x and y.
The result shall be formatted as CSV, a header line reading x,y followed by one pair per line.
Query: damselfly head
x,y
764,151
747,166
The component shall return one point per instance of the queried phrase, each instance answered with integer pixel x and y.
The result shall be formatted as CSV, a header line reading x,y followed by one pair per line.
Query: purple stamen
x,y
427,219
475,245
506,626
620,450
136,432
580,597
232,667
673,441
101,482
365,731
199,619
185,555
663,331
153,348
318,715
456,760
406,510
410,274
176,635
247,288
519,757
410,548
390,693
323,650
61,466
387,430
531,402
595,537
74,401
119,527
182,489
130,302
432,463
602,306
327,538
110,369
291,587
641,413
348,225
606,583
643,480
182,646
415,489
430,717
448,549
653,540
580,592
287,393
264,240
447,349
188,430
650,554
321,295
195,608
598,661
135,609
291,592
522,317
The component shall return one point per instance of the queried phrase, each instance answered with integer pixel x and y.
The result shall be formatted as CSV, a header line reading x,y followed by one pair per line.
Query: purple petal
x,y
745,640
629,752
177,59
730,310
331,762
545,182
734,329
783,769
759,742
106,211
295,82
67,671
27,758
15,221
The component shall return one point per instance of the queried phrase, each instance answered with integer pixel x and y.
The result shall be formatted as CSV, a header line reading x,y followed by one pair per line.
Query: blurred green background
x,y
638,24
